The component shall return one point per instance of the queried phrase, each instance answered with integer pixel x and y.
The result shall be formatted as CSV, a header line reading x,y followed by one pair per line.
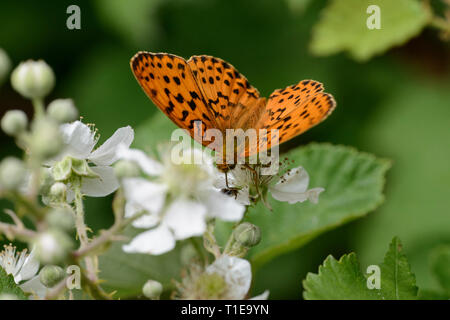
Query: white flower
x,y
23,267
292,187
237,274
177,202
80,141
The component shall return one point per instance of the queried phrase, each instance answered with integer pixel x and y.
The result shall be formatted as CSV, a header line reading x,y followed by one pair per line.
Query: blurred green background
x,y
395,105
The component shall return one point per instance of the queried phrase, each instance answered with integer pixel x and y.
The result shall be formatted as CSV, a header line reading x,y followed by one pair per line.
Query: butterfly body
x,y
206,93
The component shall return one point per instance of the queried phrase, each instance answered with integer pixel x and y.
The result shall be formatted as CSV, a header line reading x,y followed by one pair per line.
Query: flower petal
x,y
148,165
186,219
155,241
30,267
99,187
236,273
262,296
294,181
79,139
35,287
106,154
142,193
224,207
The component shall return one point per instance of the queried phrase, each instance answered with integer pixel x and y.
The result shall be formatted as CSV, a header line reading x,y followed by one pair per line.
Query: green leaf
x,y
127,273
397,280
338,280
353,183
343,27
344,280
8,286
440,265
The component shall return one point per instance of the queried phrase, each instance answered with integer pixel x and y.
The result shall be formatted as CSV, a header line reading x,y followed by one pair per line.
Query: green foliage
x,y
338,280
353,183
343,279
410,127
397,281
440,265
343,27
8,286
135,23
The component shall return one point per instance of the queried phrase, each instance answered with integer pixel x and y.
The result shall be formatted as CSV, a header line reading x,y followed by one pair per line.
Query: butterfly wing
x,y
228,93
292,111
169,82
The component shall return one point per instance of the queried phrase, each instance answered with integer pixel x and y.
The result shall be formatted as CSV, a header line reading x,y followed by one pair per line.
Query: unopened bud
x,y
12,173
52,247
51,275
33,79
5,65
46,140
61,218
126,169
152,289
247,234
14,122
62,110
58,191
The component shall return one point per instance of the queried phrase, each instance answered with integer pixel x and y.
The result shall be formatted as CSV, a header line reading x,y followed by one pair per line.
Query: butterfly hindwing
x,y
294,110
169,82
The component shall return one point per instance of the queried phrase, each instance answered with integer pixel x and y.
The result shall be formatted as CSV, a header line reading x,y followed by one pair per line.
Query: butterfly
x,y
210,91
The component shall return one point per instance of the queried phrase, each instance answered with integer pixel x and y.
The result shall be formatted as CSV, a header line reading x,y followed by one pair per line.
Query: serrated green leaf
x,y
338,280
344,280
8,285
353,183
397,280
343,27
440,266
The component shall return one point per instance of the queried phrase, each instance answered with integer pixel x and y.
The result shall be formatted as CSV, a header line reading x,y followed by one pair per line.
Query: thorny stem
x,y
11,230
92,287
57,290
82,230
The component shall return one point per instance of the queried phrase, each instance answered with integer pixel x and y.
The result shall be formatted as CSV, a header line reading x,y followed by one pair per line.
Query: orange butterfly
x,y
211,91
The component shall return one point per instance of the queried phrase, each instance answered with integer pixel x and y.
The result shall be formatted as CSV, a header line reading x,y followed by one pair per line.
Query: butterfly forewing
x,y
229,94
169,82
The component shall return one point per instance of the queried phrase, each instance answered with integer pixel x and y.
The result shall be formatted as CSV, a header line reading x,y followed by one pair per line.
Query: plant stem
x,y
38,105
82,230
14,231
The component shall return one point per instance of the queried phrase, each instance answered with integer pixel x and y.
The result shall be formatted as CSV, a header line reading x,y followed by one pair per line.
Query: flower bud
x,y
51,275
58,191
12,173
14,122
46,181
126,169
62,110
46,140
247,234
61,218
52,246
33,79
152,289
5,65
